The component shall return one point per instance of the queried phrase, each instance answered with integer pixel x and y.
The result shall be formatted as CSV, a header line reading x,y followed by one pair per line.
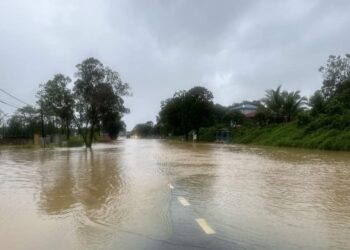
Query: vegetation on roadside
x,y
282,118
94,105
145,130
75,141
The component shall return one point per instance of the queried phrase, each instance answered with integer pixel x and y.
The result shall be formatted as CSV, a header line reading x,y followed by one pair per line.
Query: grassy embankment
x,y
322,132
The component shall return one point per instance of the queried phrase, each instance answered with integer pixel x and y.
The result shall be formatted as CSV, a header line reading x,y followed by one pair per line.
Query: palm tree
x,y
293,104
274,101
284,104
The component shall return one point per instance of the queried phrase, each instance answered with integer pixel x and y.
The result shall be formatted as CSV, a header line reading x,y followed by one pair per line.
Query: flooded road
x,y
153,194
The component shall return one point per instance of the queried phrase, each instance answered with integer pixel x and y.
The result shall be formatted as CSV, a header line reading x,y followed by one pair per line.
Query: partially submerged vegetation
x,y
92,106
281,118
325,125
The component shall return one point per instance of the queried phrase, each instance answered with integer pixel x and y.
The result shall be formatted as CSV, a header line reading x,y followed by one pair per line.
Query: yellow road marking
x,y
205,226
183,201
171,186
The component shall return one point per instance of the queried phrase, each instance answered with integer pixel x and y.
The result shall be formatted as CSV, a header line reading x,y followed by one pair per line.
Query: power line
x,y
7,93
13,106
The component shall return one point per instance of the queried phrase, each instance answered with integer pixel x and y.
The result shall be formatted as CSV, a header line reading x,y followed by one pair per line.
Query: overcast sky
x,y
237,49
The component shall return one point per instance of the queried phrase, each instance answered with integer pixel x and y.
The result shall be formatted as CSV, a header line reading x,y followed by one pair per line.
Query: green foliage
x,y
75,141
323,132
284,105
233,116
274,101
263,116
342,94
187,111
93,104
24,123
304,118
145,129
317,103
55,99
207,134
112,125
336,71
98,93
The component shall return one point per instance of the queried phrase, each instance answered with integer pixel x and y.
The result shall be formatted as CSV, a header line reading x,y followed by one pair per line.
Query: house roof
x,y
251,114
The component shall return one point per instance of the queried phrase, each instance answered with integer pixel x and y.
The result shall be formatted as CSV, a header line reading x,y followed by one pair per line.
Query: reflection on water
x,y
116,196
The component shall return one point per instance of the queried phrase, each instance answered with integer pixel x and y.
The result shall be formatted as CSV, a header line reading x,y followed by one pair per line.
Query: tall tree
x,y
187,110
98,92
24,123
199,107
55,98
317,102
284,105
336,71
274,100
292,104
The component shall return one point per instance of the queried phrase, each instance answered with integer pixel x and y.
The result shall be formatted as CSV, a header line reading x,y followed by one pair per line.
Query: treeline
x,y
92,105
145,130
284,118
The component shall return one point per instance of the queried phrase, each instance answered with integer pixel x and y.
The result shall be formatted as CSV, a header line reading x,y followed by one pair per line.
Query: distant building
x,y
249,110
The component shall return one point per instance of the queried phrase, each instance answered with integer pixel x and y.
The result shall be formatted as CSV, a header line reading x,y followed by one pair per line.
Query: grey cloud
x,y
235,48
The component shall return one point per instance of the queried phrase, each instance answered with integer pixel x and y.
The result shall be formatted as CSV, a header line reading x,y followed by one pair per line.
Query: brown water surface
x,y
117,197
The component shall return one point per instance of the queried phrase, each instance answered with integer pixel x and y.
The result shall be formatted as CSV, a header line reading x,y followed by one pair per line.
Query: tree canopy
x,y
284,105
336,71
98,92
187,111
56,99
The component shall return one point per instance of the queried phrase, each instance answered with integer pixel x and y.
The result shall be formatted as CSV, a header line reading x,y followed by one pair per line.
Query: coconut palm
x,y
292,104
283,104
274,101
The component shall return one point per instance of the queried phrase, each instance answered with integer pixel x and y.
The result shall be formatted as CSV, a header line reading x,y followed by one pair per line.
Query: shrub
x,y
304,118
207,134
75,141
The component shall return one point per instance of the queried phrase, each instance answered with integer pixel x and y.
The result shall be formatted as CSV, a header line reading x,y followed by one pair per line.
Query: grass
x,y
292,135
75,141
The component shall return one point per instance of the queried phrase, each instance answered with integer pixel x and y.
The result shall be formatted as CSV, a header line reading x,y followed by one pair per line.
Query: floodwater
x,y
117,196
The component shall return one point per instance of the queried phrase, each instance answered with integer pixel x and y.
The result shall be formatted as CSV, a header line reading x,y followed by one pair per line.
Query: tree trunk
x,y
67,130
186,136
81,131
91,136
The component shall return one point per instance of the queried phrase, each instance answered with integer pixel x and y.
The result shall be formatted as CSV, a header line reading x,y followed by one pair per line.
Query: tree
x,y
199,105
336,71
292,104
284,105
55,98
219,113
342,94
187,110
274,101
233,116
98,92
112,125
317,103
24,123
144,129
171,117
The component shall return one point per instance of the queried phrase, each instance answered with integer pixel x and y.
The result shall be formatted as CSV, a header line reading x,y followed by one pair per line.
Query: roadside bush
x,y
75,141
207,134
304,118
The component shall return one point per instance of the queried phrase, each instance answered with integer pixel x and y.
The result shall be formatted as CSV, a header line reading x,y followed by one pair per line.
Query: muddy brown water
x,y
117,197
